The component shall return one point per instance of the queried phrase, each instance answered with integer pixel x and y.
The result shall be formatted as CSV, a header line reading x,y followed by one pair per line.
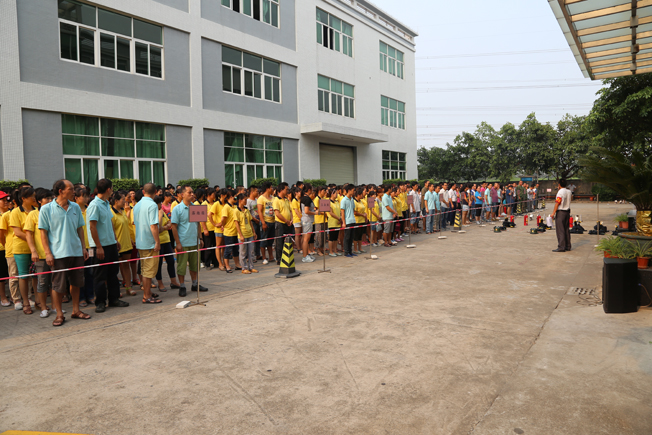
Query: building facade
x,y
230,90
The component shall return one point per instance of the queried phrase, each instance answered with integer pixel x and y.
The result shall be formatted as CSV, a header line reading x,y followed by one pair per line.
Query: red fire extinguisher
x,y
539,220
525,220
570,225
511,218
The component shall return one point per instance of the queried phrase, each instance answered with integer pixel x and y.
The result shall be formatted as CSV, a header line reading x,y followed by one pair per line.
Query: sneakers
x,y
265,261
18,306
332,255
182,291
375,245
349,255
308,259
45,313
339,254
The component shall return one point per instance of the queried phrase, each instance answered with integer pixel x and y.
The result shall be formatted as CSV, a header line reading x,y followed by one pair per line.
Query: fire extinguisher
x,y
570,223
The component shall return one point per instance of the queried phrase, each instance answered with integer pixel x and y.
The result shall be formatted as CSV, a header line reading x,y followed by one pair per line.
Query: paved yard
x,y
472,334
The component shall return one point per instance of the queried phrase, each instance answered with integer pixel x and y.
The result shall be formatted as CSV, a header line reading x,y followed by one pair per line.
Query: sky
x,y
489,60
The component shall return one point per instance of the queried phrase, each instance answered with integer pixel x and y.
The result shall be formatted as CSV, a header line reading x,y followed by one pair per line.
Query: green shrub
x,y
125,184
316,181
259,182
398,180
195,183
13,184
606,194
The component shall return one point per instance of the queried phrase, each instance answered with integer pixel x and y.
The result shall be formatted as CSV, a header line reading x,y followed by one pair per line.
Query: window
x,y
250,156
391,60
98,37
336,97
334,33
95,148
392,113
266,11
250,75
393,165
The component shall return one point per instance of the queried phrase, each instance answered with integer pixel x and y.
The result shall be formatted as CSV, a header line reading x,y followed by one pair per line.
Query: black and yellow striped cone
x,y
287,270
458,221
543,203
518,208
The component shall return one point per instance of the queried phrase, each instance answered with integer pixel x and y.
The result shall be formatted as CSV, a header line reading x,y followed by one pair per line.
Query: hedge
x,y
11,184
125,184
259,182
316,181
606,194
195,183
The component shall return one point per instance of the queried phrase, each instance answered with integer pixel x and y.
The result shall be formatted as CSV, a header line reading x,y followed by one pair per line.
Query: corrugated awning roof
x,y
609,38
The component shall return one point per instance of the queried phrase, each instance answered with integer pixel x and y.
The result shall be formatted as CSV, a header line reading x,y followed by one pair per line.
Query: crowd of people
x,y
48,236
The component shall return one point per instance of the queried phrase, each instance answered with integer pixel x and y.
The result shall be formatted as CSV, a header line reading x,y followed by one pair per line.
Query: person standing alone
x,y
561,215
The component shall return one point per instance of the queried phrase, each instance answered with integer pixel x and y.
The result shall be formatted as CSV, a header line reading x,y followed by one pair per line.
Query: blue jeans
x,y
430,220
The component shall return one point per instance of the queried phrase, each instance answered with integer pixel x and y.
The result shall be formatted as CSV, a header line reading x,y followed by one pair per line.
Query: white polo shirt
x,y
564,199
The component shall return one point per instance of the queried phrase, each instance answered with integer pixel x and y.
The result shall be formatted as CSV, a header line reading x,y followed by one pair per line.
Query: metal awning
x,y
609,38
332,131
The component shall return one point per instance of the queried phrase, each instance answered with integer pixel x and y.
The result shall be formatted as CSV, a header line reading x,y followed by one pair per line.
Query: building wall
x,y
42,146
182,5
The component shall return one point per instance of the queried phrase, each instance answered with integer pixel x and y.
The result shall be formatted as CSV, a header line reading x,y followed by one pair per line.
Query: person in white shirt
x,y
452,204
561,216
415,207
445,205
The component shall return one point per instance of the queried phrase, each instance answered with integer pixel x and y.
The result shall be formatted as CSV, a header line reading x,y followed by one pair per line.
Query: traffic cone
x,y
287,270
518,208
458,221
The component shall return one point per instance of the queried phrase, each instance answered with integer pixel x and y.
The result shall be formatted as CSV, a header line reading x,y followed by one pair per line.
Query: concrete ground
x,y
474,334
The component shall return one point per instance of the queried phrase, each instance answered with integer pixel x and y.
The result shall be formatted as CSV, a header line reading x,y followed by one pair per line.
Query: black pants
x,y
106,277
208,256
166,249
562,224
281,230
348,239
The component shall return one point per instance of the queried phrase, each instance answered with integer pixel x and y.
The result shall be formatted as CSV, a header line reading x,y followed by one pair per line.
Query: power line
x,y
528,106
503,88
497,65
504,81
499,53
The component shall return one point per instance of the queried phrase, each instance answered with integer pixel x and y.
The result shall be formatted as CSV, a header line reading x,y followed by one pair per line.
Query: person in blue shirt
x,y
430,206
61,226
106,250
478,204
347,208
147,240
185,236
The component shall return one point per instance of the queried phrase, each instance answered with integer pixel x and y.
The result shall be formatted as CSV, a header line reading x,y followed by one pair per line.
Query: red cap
x,y
3,194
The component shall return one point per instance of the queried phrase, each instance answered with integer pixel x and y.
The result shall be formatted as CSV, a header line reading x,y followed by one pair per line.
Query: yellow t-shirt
x,y
296,211
121,226
209,225
228,212
31,224
376,210
216,211
84,228
282,205
9,238
244,218
404,201
336,210
174,204
359,208
17,219
268,208
395,205
319,217
164,235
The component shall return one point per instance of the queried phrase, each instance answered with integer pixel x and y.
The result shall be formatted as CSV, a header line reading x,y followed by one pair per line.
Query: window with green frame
x,y
391,60
266,11
392,113
333,33
250,75
95,148
250,156
393,165
336,97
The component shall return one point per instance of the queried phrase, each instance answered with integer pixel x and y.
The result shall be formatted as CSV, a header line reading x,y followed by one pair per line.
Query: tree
x,y
571,143
434,163
536,143
621,118
504,162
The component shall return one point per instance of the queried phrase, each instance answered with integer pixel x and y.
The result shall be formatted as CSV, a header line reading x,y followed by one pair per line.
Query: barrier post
x,y
324,207
197,214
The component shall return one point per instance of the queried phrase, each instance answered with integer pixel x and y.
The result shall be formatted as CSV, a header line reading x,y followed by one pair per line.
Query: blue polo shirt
x,y
99,211
348,205
187,230
62,226
430,199
145,215
387,202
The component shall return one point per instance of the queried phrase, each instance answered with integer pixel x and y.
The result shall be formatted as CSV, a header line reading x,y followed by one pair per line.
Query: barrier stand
x,y
324,207
371,203
410,201
197,214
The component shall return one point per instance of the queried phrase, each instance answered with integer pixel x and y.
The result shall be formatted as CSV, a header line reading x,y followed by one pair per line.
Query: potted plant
x,y
623,221
640,251
611,246
629,175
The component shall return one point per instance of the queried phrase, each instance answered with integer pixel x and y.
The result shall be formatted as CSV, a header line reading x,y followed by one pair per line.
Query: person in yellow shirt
x,y
283,219
26,201
4,268
166,248
178,194
210,259
87,292
44,282
334,223
231,231
374,216
215,218
320,221
360,219
295,203
121,224
247,235
8,234
266,210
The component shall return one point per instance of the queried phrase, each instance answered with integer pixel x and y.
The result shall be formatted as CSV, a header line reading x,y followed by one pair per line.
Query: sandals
x,y
6,303
59,321
130,292
83,304
162,289
151,301
65,299
229,270
27,309
174,286
155,295
80,315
